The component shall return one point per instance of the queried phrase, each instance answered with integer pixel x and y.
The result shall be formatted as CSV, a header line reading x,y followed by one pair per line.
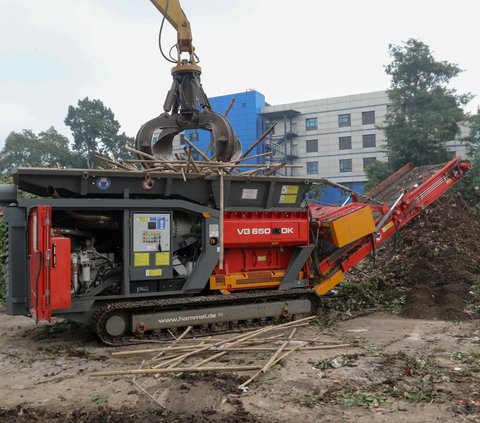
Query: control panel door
x,y
39,232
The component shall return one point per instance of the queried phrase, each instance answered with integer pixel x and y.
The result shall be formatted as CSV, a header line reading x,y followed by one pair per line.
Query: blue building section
x,y
244,117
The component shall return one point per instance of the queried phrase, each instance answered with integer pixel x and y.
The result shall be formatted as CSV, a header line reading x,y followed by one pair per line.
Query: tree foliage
x,y
48,148
471,182
95,129
424,113
377,172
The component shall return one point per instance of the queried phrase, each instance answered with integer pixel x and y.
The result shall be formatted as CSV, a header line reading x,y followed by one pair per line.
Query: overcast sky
x,y
54,52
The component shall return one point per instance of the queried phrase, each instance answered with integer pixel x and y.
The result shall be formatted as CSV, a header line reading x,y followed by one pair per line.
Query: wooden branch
x,y
149,157
264,135
175,342
269,362
112,162
278,352
148,394
251,157
274,169
187,141
189,348
189,159
175,370
232,102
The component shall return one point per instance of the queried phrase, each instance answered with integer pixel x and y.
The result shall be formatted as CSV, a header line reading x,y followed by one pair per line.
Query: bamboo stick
x,y
252,157
112,162
179,359
269,362
187,141
189,159
232,102
278,352
239,349
211,164
175,370
148,394
236,339
149,157
192,160
175,342
275,168
243,385
264,135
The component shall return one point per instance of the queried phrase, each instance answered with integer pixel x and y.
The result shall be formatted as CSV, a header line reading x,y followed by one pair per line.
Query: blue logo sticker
x,y
104,183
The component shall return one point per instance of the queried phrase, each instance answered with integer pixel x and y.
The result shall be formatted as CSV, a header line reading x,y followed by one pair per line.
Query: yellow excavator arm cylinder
x,y
174,14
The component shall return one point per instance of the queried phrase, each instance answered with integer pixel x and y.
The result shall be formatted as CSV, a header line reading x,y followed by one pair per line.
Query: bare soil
x,y
397,369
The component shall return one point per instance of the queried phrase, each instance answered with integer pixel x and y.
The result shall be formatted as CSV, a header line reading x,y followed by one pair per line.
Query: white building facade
x,y
335,137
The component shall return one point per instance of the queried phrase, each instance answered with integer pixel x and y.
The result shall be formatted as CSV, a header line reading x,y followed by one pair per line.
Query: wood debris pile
x,y
185,162
214,354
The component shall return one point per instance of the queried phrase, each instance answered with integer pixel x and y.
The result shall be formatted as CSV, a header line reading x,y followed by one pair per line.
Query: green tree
x,y
95,129
377,172
470,185
48,148
424,113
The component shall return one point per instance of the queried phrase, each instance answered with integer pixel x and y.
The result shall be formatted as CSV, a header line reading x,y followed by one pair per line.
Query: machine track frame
x,y
197,304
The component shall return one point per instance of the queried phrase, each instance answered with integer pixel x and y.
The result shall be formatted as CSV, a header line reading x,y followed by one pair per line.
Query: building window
x,y
345,143
311,124
367,161
312,168
312,146
193,135
369,141
344,120
368,118
345,165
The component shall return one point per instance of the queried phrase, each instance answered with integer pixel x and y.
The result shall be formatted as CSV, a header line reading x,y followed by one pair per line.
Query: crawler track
x,y
128,309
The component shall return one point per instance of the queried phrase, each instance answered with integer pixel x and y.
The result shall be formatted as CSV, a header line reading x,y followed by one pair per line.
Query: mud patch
x,y
102,415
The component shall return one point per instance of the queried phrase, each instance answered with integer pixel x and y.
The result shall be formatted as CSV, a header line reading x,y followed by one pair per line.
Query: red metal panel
x,y
39,262
60,275
262,229
411,205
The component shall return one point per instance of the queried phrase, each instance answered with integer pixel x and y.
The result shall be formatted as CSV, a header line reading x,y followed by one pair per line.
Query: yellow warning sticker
x,y
387,227
288,199
141,259
153,272
142,219
162,259
289,189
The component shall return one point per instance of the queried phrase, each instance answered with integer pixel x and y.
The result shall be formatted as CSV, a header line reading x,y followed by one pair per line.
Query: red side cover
x,y
61,273
49,266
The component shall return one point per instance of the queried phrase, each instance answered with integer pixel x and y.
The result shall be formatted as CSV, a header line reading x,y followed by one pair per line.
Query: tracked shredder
x,y
104,248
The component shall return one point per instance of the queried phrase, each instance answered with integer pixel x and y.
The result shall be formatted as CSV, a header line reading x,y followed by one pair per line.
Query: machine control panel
x,y
151,232
151,255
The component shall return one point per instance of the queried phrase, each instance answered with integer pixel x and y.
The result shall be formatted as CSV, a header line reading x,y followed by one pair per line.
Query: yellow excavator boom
x,y
174,14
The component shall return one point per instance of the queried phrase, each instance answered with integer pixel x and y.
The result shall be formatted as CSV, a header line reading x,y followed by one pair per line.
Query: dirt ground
x,y
396,369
